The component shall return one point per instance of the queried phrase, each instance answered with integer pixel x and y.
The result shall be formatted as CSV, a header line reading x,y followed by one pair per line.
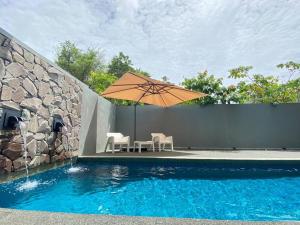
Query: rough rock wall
x,y
39,90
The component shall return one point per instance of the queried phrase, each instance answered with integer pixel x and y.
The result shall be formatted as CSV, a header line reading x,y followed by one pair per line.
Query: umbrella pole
x,y
134,135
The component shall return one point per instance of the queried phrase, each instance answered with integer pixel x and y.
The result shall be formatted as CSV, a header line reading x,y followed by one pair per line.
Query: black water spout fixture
x,y
13,122
58,123
9,119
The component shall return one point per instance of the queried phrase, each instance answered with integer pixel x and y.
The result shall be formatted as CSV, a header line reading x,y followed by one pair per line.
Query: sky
x,y
173,38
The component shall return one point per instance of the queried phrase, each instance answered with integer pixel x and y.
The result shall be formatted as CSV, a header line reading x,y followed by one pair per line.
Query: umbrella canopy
x,y
147,90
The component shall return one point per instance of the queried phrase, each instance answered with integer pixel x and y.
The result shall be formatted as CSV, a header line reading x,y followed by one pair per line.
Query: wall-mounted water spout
x,y
9,119
58,124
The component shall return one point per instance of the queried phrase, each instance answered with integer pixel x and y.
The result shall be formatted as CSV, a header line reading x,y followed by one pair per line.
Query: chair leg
x,y
113,148
106,146
153,147
127,147
140,148
159,147
172,147
164,144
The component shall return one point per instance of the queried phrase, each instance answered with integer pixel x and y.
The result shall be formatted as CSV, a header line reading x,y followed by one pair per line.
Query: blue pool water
x,y
164,189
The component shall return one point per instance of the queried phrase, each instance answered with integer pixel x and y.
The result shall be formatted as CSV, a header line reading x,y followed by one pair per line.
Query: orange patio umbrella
x,y
146,90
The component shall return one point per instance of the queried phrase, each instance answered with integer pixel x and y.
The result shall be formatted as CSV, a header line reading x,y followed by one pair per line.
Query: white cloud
x,y
175,38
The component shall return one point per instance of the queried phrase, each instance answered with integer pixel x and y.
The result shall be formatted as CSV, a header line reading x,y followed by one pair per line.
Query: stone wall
x,y
40,90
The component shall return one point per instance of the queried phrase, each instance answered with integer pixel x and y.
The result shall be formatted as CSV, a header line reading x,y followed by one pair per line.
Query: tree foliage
x,y
213,87
79,63
120,64
257,88
100,80
250,88
89,67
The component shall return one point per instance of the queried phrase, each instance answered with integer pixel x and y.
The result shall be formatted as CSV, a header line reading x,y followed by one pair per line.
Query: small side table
x,y
140,143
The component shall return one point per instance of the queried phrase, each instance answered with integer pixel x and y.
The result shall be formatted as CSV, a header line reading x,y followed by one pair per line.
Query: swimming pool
x,y
164,189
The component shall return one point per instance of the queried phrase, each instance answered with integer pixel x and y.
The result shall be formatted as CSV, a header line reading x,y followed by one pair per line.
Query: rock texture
x,y
41,92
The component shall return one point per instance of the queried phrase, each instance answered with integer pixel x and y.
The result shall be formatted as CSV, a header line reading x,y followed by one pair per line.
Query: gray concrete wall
x,y
217,126
105,122
98,118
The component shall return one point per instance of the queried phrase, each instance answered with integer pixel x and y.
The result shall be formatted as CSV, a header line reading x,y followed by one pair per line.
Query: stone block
x,y
44,64
33,124
32,147
6,93
43,112
32,104
19,164
29,66
30,87
48,100
18,58
45,158
31,76
2,69
16,47
39,72
10,105
57,91
5,163
15,69
39,136
44,89
36,161
5,53
57,111
57,143
44,127
29,57
12,82
19,95
43,147
13,151
37,60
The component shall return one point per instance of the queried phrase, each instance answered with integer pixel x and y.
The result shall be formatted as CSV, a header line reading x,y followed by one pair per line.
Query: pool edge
x,y
24,217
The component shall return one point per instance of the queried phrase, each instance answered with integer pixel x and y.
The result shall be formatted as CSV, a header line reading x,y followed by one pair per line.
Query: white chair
x,y
114,139
162,139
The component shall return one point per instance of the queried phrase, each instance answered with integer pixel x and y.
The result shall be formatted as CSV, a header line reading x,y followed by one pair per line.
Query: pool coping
x,y
24,217
225,155
211,158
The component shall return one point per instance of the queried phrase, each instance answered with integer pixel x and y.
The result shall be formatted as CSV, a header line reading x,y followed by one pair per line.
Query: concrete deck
x,y
20,217
207,155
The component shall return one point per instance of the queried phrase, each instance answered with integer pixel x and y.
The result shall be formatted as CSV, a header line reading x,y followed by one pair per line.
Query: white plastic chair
x,y
114,139
162,139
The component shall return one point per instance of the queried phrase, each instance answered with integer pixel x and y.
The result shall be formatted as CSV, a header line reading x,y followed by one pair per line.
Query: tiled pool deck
x,y
19,217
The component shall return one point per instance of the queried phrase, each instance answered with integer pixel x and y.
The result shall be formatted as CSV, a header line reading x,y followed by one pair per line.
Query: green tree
x,y
165,79
292,86
100,80
257,88
292,68
77,62
212,86
120,64
140,72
